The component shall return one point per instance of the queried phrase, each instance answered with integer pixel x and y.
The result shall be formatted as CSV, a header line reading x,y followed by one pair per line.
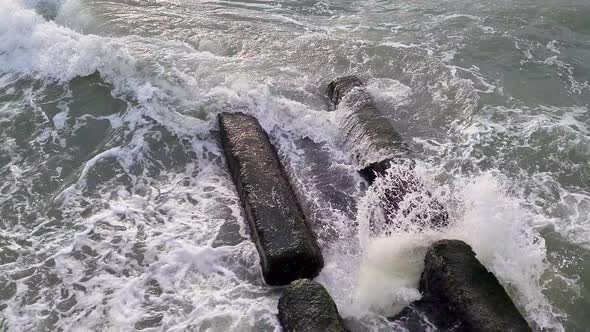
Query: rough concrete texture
x,y
287,247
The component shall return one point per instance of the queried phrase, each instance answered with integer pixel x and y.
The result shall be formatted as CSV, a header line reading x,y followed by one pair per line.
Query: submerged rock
x,y
368,134
460,295
287,247
306,306
375,146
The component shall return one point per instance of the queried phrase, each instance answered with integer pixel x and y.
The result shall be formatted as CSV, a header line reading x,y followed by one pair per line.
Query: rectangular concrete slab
x,y
287,247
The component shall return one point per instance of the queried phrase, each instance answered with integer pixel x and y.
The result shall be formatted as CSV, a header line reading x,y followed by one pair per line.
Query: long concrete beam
x,y
375,146
368,134
287,247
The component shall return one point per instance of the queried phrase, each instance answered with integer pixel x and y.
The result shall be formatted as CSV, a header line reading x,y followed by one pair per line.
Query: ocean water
x,y
117,212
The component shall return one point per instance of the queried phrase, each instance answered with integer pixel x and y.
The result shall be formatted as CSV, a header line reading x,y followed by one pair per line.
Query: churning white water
x,y
117,211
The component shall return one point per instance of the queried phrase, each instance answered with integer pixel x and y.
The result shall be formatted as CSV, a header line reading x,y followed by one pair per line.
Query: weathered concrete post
x,y
459,294
375,145
368,134
287,247
306,306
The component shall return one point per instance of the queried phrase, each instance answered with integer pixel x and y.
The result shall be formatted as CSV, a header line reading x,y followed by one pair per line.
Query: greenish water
x,y
117,213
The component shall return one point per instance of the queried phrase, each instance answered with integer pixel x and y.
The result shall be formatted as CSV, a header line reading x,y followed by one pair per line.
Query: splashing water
x,y
117,212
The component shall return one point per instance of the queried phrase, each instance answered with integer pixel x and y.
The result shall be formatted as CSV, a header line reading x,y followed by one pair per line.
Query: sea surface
x,y
117,212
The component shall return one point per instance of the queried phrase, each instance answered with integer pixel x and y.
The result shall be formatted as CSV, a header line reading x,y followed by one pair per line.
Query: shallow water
x,y
117,211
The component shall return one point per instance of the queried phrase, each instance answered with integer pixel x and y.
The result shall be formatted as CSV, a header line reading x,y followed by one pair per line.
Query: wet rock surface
x,y
460,294
368,134
287,247
306,306
375,146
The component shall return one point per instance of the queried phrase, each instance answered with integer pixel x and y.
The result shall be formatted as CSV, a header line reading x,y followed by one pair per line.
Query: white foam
x,y
389,275
392,92
59,120
552,46
31,45
482,214
219,289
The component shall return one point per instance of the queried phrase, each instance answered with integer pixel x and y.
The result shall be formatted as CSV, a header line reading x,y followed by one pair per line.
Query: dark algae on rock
x,y
287,247
460,294
306,306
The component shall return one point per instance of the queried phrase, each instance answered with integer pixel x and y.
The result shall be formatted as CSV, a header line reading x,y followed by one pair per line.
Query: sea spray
x,y
133,226
483,215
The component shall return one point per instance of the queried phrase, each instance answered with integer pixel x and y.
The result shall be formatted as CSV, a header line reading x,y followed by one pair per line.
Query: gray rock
x,y
460,294
306,306
287,247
